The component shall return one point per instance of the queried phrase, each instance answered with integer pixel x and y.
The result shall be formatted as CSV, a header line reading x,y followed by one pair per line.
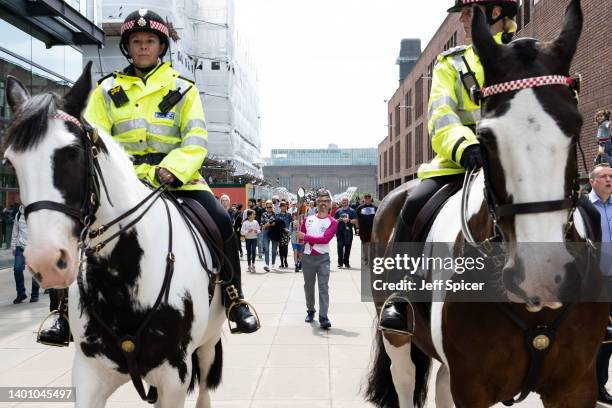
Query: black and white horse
x,y
528,136
119,284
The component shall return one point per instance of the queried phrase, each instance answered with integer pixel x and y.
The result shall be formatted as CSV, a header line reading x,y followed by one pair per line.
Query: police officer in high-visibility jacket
x,y
452,120
157,117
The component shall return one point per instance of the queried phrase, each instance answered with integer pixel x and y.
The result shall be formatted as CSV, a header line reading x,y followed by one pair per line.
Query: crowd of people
x,y
268,227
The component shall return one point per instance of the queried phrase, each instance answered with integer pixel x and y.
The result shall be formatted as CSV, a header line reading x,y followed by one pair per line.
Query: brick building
x,y
407,143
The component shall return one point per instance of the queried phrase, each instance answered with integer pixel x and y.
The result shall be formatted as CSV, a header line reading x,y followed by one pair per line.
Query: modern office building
x,y
407,143
332,168
41,44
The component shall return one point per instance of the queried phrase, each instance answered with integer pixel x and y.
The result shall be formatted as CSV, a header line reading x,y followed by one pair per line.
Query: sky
x,y
326,67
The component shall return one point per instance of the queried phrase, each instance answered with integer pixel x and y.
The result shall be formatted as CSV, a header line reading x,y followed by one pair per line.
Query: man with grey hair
x,y
601,183
316,231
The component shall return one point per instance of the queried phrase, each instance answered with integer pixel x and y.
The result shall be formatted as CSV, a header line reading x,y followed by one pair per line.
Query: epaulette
x,y
455,50
112,74
187,79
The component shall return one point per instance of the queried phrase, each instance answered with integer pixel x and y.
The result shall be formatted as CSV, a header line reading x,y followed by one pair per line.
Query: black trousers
x,y
231,267
344,249
55,296
416,200
282,253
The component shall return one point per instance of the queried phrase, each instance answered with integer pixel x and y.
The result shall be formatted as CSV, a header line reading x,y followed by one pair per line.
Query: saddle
x,y
425,217
205,226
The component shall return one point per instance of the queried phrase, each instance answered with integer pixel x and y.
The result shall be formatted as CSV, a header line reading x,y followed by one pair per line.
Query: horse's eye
x,y
6,161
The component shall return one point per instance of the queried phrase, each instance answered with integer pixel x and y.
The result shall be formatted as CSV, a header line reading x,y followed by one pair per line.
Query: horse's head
x,y
49,159
528,141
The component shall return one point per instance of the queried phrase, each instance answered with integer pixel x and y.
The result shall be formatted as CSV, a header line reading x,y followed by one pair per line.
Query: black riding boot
x,y
236,308
59,332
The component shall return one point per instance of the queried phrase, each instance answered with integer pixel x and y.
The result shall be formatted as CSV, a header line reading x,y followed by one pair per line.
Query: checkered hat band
x,y
526,83
61,115
155,25
128,25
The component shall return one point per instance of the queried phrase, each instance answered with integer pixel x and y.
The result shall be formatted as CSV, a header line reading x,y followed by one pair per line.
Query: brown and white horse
x,y
528,139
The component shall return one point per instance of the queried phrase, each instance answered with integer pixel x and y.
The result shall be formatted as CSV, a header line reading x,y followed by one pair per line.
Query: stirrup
x,y
65,343
228,311
384,329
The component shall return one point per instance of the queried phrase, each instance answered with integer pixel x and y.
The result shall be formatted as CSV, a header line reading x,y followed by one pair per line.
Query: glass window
x,y
50,58
14,39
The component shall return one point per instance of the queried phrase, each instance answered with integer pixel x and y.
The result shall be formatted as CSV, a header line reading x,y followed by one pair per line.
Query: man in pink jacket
x,y
316,232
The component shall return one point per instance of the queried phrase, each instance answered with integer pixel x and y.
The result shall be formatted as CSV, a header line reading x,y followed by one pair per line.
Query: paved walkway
x,y
287,364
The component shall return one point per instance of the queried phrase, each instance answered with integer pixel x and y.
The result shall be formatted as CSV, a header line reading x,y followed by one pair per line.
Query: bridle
x,y
498,209
539,339
85,214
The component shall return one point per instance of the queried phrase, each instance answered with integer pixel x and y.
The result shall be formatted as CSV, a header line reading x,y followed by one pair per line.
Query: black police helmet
x,y
144,21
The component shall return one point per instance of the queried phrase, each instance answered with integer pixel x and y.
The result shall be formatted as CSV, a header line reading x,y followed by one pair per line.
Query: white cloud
x,y
325,67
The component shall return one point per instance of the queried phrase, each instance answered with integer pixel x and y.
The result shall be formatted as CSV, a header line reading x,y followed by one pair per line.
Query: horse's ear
x,y
76,98
488,50
565,45
16,93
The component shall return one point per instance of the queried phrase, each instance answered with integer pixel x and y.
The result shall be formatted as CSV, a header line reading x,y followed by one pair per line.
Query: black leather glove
x,y
471,158
164,176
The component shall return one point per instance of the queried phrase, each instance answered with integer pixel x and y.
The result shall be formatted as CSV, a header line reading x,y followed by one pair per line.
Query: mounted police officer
x,y
156,116
453,116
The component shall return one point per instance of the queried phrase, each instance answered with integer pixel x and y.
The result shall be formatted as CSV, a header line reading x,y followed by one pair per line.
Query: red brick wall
x,y
593,60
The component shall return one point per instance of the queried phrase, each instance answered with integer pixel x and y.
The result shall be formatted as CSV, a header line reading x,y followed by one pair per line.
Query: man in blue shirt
x,y
347,217
601,183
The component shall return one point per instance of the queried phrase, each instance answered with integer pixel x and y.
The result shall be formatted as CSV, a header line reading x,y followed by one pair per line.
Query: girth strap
x,y
538,340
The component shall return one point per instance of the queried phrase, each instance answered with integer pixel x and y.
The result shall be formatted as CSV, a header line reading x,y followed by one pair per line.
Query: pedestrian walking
x,y
283,224
268,221
604,136
251,230
295,242
316,231
347,218
19,240
365,220
238,226
259,211
312,208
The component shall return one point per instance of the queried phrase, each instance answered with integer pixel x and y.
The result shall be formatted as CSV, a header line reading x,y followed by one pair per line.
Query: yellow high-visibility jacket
x,y
452,115
140,127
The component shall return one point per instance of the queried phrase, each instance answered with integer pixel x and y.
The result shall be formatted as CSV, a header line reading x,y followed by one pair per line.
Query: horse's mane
x,y
31,121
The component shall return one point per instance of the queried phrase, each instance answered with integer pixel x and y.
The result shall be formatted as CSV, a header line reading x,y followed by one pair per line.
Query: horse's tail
x,y
380,390
423,364
213,379
195,371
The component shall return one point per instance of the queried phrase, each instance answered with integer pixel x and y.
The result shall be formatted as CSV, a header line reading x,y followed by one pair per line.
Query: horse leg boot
x,y
59,332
